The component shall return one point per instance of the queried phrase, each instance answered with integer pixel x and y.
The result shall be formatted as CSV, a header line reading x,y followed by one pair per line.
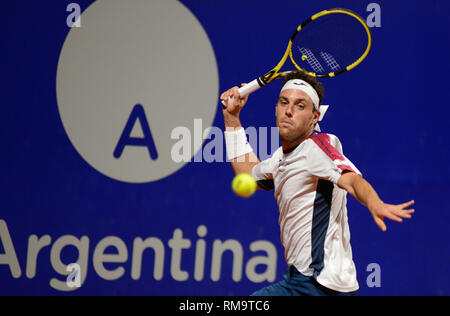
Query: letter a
x,y
9,257
138,113
373,279
73,19
374,19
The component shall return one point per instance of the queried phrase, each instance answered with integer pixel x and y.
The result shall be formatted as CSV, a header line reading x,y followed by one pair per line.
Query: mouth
x,y
286,123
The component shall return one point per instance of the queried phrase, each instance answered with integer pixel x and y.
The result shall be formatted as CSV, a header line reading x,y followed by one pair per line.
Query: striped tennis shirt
x,y
313,211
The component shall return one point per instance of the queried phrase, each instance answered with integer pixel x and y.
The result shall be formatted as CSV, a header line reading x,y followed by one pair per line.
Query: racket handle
x,y
247,89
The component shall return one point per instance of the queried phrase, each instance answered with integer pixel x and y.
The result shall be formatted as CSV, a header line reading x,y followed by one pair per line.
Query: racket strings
x,y
311,59
329,44
330,61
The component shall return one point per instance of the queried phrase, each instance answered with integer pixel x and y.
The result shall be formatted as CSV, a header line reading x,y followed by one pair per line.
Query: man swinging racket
x,y
311,178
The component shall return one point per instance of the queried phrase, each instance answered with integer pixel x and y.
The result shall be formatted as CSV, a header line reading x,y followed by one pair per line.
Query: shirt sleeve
x,y
326,160
263,173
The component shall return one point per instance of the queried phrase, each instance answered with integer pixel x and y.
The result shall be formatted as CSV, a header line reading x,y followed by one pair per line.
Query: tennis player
x,y
311,178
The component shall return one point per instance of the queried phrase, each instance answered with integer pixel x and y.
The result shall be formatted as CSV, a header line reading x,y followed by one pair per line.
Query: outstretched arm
x,y
362,191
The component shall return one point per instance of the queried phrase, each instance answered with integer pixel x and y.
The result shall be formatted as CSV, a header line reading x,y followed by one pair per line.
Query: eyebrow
x,y
296,100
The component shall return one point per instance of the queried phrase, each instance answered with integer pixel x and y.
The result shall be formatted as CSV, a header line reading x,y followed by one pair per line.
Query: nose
x,y
289,110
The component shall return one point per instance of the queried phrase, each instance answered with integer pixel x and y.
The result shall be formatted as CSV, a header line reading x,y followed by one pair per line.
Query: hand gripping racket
x,y
328,44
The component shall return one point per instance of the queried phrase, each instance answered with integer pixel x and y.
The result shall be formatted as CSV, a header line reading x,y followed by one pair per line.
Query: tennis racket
x,y
326,45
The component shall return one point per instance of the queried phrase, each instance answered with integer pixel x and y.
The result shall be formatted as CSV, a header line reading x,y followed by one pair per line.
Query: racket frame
x,y
349,67
274,74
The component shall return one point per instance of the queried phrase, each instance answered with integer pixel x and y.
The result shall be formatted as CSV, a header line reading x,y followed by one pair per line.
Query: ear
x,y
316,116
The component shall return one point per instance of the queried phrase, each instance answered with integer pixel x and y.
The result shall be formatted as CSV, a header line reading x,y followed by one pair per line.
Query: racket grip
x,y
247,89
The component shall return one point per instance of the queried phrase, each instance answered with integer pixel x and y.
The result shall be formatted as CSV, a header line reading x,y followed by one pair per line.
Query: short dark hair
x,y
309,79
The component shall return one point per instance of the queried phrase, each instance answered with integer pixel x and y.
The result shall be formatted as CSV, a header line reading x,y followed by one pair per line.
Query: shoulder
x,y
325,137
263,172
267,165
327,144
275,156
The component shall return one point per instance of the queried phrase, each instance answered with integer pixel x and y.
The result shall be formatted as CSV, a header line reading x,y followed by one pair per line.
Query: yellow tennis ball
x,y
244,185
304,57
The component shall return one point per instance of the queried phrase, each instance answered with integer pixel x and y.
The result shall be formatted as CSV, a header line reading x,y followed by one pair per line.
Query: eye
x,y
300,106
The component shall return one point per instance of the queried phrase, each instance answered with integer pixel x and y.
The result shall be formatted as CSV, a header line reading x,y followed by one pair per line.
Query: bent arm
x,y
245,163
232,106
365,194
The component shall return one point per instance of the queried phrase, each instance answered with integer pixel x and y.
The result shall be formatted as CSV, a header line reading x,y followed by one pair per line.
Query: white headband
x,y
298,84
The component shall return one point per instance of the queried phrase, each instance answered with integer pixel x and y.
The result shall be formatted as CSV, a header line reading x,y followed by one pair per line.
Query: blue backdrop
x,y
390,113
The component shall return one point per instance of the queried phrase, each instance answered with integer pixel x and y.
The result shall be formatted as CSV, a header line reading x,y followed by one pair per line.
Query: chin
x,y
291,135
284,132
287,136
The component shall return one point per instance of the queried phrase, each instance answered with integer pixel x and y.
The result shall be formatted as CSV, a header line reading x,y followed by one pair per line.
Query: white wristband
x,y
237,144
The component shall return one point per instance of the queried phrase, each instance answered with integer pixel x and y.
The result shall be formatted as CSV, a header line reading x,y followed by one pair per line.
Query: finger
x,y
380,224
230,97
394,217
236,94
229,102
406,213
407,204
224,96
398,211
224,101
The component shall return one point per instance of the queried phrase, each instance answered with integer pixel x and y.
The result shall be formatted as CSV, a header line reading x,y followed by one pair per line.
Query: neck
x,y
288,146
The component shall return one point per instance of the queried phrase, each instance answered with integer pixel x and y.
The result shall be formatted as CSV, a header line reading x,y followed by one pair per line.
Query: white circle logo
x,y
127,77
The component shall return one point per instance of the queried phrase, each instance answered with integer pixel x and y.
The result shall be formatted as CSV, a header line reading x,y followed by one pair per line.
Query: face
x,y
294,115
